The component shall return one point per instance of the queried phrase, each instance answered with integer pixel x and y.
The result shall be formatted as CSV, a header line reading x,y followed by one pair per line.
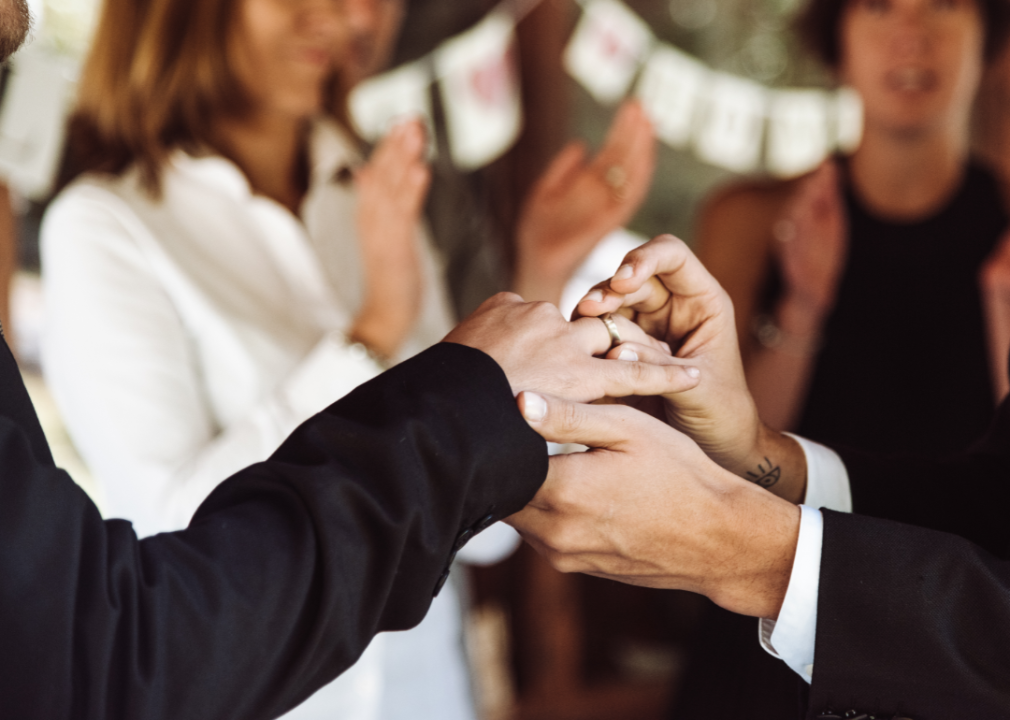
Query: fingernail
x,y
666,345
624,272
594,296
693,372
534,407
628,354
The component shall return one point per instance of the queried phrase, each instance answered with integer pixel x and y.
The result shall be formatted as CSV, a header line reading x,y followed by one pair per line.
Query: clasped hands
x,y
683,486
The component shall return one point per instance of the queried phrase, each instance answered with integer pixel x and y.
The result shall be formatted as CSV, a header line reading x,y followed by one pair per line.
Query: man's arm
x,y
285,574
291,566
910,621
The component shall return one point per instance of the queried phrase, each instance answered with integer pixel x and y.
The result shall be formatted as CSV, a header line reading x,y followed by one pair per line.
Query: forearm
x,y
774,461
750,573
781,361
286,573
912,620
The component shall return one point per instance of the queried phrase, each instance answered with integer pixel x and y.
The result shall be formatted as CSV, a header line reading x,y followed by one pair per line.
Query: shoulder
x,y
94,216
96,193
739,217
749,199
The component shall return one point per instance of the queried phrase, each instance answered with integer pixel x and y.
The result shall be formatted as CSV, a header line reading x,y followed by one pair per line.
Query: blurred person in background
x,y
224,264
858,285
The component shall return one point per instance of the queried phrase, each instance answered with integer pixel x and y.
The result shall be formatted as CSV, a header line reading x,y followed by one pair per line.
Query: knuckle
x,y
502,298
565,564
570,420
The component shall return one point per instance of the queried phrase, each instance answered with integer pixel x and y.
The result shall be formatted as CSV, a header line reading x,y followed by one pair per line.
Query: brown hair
x,y
157,77
819,23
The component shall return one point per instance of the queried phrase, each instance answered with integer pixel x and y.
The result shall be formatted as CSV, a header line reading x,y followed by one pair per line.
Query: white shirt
x,y
187,336
793,636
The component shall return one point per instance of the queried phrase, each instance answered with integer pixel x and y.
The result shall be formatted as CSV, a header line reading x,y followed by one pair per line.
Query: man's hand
x,y
666,290
578,200
645,506
539,350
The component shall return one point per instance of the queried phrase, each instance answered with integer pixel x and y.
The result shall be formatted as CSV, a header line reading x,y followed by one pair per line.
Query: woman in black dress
x,y
857,286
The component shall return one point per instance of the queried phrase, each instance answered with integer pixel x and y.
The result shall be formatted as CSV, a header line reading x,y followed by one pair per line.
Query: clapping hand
x,y
391,190
578,200
812,246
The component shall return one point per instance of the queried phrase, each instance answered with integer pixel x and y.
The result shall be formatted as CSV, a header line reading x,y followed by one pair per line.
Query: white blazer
x,y
187,336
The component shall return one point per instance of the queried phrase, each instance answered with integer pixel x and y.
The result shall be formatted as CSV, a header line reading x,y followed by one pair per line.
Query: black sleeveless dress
x,y
904,368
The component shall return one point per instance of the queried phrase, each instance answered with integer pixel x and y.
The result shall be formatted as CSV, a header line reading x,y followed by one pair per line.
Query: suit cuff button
x,y
463,538
440,583
485,522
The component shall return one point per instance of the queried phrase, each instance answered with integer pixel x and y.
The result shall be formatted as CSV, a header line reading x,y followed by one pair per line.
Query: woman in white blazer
x,y
225,265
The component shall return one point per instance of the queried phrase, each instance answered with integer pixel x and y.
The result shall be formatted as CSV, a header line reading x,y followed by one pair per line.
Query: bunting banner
x,y
479,82
849,120
725,120
606,49
732,124
728,121
671,89
798,131
379,103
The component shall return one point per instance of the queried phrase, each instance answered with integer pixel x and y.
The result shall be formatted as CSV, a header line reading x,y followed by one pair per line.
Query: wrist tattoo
x,y
768,473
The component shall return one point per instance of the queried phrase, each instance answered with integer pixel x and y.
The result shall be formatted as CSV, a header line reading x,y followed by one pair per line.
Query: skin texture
x,y
539,349
645,506
676,504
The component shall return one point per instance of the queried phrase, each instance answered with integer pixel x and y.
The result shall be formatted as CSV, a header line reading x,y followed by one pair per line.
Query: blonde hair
x,y
158,75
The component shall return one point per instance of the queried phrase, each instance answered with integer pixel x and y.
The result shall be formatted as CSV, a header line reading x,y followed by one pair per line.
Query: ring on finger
x,y
615,335
616,178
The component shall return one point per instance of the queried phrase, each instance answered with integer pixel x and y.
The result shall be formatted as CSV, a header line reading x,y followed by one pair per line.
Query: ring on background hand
x,y
784,231
616,178
615,335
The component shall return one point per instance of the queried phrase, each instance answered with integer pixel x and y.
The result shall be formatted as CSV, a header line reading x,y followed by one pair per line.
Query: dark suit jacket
x,y
914,602
287,570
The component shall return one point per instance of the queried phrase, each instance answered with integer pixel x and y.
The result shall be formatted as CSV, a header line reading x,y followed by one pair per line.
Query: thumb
x,y
598,426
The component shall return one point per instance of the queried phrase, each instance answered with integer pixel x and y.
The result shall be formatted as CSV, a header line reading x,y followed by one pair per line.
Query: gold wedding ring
x,y
615,335
616,178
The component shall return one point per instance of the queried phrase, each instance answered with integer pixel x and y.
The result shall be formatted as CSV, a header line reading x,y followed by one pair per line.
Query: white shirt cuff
x,y
792,638
827,478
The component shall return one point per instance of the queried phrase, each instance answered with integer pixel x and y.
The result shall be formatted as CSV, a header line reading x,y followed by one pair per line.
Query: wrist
x,y
776,463
380,333
756,541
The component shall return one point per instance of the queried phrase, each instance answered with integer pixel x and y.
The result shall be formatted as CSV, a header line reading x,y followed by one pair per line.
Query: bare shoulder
x,y
736,221
748,207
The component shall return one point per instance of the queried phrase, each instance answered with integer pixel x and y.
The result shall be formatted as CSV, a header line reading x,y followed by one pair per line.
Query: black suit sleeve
x,y
287,570
916,620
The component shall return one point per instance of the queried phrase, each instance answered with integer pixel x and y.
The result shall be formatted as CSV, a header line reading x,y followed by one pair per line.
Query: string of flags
x,y
726,120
